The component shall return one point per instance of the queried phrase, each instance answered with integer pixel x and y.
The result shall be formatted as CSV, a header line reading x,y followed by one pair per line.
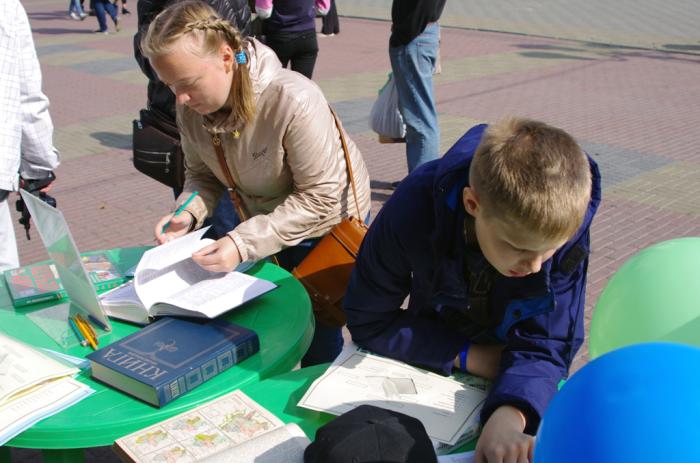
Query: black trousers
x,y
330,22
301,48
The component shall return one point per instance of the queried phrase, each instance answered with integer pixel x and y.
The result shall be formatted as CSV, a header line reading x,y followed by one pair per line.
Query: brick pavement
x,y
635,111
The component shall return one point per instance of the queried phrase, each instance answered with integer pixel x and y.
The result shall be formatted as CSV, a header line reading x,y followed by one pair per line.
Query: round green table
x,y
282,318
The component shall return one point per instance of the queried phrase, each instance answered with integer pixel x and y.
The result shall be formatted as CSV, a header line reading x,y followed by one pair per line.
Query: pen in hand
x,y
179,210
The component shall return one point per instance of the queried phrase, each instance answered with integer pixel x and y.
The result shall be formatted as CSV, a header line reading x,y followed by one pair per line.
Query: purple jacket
x,y
416,247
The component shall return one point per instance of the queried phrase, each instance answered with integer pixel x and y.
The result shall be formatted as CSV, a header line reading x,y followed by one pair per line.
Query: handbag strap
x,y
235,197
348,164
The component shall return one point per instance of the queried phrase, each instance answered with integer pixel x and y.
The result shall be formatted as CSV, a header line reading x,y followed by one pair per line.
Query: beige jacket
x,y
288,163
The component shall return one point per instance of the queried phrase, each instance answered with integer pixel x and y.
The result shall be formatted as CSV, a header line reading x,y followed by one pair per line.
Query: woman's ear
x,y
226,54
471,201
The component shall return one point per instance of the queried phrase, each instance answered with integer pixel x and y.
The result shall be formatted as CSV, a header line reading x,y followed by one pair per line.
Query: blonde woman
x,y
280,142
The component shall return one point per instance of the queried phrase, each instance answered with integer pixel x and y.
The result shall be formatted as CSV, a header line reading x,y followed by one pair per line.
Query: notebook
x,y
59,243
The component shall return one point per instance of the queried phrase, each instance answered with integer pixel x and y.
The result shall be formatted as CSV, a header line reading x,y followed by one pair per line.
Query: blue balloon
x,y
636,404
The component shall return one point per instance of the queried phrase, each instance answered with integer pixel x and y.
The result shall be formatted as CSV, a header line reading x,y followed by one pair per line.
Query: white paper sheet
x,y
447,408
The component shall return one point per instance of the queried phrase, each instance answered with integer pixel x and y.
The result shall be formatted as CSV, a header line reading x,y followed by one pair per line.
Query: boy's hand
x,y
502,440
220,256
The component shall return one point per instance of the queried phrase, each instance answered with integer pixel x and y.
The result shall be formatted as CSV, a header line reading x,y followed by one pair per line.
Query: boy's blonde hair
x,y
532,175
207,32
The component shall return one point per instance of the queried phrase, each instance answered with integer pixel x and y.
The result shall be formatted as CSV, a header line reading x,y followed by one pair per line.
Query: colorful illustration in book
x,y
152,438
242,423
176,454
191,423
208,440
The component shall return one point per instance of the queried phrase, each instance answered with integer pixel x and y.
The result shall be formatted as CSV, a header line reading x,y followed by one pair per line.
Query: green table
x,y
282,318
281,394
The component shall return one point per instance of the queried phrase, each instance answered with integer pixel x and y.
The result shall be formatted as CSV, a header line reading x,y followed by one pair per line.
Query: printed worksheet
x,y
447,408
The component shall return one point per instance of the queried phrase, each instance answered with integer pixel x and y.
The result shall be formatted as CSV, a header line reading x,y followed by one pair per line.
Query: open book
x,y
168,282
33,386
230,428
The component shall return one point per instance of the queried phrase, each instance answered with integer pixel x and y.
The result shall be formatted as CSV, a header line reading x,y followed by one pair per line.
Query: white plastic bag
x,y
385,117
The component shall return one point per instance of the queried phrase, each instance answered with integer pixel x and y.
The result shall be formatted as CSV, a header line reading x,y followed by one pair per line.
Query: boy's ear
x,y
471,201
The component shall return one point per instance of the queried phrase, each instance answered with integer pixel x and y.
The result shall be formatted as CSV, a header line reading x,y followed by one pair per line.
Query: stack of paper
x,y
449,409
33,386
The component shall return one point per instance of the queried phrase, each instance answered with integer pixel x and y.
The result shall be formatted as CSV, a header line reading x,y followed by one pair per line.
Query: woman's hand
x,y
220,256
502,440
178,227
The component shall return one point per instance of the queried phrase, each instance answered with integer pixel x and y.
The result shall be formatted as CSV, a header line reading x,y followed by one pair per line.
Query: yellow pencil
x,y
89,327
86,332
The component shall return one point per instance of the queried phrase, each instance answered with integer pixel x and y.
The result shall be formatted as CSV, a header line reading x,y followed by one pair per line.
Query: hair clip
x,y
241,58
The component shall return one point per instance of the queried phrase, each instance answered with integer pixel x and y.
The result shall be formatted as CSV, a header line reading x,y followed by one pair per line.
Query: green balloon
x,y
654,296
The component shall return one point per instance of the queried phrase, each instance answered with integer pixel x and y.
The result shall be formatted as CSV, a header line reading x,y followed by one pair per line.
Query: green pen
x,y
179,210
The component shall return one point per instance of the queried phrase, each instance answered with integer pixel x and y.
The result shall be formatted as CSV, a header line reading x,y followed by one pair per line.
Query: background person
x,y
26,129
280,141
413,50
491,243
289,28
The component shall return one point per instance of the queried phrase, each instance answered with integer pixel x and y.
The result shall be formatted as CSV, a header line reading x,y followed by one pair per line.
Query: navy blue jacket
x,y
416,247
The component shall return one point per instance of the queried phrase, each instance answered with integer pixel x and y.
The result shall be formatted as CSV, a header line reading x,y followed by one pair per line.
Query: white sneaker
x,y
75,16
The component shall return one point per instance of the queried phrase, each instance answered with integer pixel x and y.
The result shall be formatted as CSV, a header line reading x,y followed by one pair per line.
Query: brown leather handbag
x,y
325,271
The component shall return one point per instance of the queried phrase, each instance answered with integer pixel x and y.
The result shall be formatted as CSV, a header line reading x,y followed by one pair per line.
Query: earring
x,y
241,57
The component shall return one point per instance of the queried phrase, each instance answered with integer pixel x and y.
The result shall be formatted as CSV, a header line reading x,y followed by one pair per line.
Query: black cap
x,y
369,434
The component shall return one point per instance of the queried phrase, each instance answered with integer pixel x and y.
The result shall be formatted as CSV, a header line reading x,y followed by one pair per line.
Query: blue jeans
x,y
100,7
75,7
413,65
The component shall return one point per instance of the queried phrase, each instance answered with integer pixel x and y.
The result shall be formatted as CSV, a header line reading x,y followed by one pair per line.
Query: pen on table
x,y
87,325
179,210
77,332
85,332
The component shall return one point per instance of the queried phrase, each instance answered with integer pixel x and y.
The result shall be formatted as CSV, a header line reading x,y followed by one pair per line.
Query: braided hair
x,y
209,31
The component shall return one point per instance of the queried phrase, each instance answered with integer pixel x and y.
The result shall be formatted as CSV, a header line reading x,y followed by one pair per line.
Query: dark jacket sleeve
x,y
381,280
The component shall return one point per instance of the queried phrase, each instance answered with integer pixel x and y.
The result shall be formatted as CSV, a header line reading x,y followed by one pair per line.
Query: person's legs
x,y
100,13
112,11
330,23
327,341
281,46
8,243
305,48
413,67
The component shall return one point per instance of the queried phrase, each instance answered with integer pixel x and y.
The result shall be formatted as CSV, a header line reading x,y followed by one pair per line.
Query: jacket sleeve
x,y
311,143
539,350
39,157
382,278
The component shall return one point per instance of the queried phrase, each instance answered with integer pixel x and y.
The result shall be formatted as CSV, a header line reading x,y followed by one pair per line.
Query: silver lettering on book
x,y
134,364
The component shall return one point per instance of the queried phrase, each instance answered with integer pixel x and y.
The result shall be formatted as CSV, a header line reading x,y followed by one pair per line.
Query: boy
x,y
491,243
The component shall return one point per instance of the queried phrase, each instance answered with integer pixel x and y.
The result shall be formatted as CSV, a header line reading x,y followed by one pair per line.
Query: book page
x,y
446,407
22,367
285,444
40,402
169,267
466,457
201,432
215,295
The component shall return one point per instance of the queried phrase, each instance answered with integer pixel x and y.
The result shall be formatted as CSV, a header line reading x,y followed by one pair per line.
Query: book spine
x,y
221,361
104,286
29,300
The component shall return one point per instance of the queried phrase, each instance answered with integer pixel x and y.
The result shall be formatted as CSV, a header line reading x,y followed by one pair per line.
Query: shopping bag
x,y
385,117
